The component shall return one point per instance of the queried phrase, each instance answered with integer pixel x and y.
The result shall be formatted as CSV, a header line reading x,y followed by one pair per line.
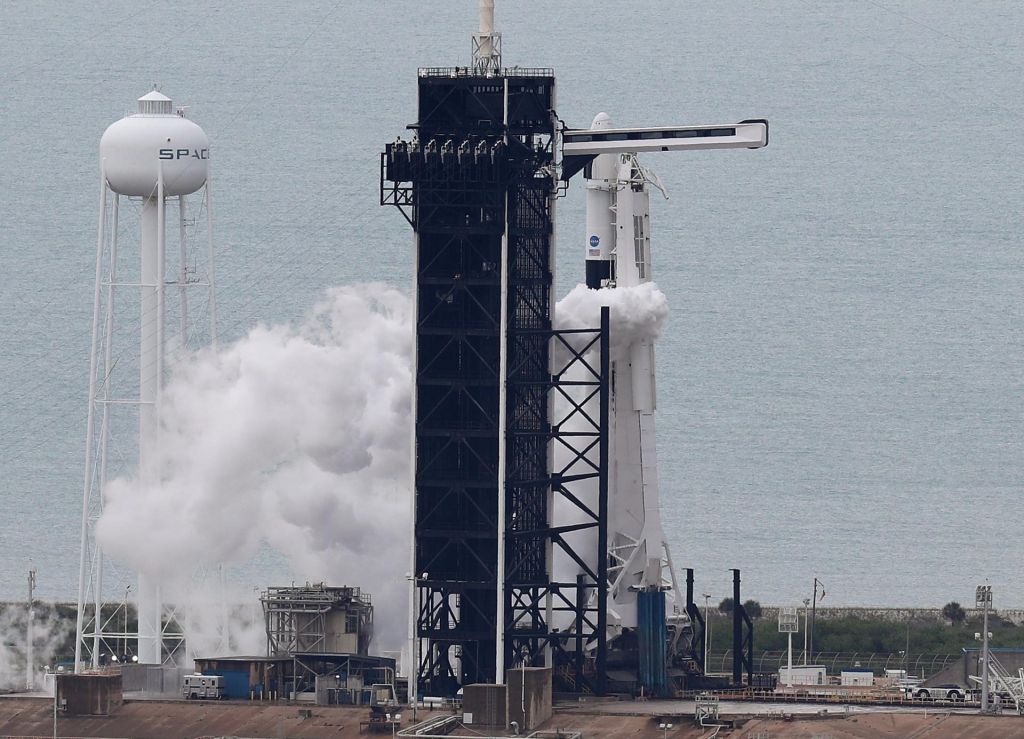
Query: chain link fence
x,y
918,665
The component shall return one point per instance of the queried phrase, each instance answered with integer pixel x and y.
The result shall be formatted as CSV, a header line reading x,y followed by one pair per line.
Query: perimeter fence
x,y
917,665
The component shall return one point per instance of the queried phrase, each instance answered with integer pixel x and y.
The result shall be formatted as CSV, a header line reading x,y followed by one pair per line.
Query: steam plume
x,y
636,313
297,436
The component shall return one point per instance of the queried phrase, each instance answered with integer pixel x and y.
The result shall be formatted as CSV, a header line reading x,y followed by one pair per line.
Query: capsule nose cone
x,y
601,120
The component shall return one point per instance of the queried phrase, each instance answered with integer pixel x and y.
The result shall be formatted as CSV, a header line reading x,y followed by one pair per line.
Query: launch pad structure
x,y
477,186
494,457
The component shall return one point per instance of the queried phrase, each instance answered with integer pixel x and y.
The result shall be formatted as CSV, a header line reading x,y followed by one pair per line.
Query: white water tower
x,y
149,163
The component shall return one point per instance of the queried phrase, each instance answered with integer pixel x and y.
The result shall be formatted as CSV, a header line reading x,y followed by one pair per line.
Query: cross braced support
x,y
582,382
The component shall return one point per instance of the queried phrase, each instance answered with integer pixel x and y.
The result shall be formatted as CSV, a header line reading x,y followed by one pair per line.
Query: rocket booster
x,y
618,256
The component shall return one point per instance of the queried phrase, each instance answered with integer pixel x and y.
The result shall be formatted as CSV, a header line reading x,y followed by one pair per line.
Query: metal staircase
x,y
1004,686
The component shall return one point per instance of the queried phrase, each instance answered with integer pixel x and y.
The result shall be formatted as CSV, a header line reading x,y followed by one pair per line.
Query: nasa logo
x,y
595,241
184,153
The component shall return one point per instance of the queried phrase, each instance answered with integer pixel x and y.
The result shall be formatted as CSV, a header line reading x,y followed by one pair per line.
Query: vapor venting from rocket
x,y
636,313
296,436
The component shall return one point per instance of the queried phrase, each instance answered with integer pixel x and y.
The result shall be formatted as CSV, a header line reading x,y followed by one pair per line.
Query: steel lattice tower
x,y
477,184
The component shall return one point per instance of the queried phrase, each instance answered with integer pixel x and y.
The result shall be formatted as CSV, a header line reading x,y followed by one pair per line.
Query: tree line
x,y
860,634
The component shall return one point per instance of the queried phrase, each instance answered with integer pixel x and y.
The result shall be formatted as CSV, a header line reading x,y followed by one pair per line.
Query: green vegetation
x,y
753,609
954,612
854,634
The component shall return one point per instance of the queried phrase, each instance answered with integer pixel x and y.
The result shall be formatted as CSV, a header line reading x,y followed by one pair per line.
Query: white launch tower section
x,y
149,163
486,42
619,257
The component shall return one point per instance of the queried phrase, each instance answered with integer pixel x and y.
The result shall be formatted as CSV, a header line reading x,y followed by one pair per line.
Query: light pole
x,y
789,621
664,729
807,603
124,633
29,638
983,600
707,629
906,659
413,676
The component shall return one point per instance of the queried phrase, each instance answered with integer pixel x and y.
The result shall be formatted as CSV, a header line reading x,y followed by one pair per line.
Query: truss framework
x,y
476,183
536,600
296,617
115,402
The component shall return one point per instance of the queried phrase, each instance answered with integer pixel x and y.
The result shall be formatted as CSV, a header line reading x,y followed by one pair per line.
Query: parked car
x,y
209,687
951,692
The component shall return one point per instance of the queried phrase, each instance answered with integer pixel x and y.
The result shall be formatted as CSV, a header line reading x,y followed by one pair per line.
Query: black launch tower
x,y
476,180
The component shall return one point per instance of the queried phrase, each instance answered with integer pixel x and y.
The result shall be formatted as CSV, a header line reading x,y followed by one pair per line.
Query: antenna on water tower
x,y
150,159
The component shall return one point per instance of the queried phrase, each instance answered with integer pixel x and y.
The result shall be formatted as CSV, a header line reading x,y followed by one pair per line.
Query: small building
x,y
522,703
320,678
857,676
317,619
153,680
483,704
249,678
318,644
805,675
89,693
529,703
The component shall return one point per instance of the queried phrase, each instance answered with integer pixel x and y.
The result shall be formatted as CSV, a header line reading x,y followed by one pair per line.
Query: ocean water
x,y
841,381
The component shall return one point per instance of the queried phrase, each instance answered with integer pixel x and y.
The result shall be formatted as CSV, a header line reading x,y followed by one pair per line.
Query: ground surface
x,y
782,721
32,717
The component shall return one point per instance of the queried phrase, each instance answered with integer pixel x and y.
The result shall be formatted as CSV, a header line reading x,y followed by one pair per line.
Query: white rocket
x,y
619,257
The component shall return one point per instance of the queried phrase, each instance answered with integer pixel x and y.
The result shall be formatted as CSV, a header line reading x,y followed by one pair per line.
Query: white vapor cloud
x,y
636,313
297,436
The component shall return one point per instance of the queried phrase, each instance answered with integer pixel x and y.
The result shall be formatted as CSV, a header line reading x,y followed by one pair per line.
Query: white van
x,y
208,687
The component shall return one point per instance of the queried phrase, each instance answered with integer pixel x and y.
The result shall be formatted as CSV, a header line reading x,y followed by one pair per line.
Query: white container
x,y
857,677
805,675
